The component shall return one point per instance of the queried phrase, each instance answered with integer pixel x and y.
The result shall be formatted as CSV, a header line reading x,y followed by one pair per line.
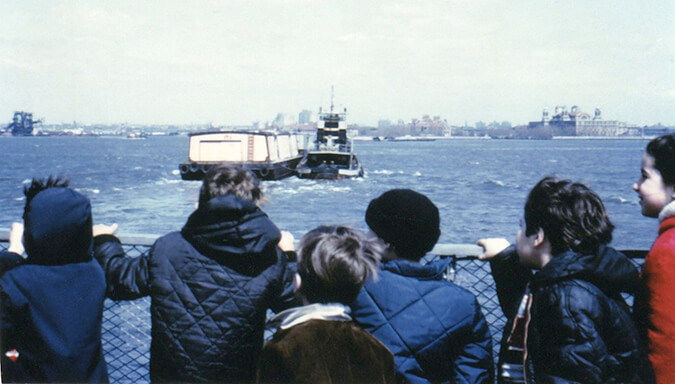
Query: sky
x,y
235,62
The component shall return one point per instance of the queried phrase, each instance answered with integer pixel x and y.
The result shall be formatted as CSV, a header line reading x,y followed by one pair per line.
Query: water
x,y
479,186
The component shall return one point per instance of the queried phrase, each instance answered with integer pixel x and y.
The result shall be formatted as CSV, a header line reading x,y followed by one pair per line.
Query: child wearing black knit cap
x,y
434,328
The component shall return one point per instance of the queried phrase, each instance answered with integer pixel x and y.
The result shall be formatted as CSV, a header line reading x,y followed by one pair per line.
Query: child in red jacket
x,y
655,306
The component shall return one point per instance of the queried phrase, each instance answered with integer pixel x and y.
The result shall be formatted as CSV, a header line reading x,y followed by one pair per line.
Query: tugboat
x,y
269,155
22,124
333,154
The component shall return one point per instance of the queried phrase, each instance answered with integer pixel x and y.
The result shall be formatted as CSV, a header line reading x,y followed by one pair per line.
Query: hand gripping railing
x,y
126,324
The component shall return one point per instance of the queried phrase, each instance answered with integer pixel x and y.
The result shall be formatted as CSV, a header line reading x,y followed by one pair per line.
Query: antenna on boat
x,y
332,97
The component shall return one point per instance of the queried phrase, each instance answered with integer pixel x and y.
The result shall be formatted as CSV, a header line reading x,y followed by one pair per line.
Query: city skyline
x,y
236,62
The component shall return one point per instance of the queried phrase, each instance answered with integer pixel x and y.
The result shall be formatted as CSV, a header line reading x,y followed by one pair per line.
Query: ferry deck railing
x,y
126,324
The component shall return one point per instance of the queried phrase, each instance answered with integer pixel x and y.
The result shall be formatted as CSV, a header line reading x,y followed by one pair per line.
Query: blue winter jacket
x,y
210,287
52,302
434,328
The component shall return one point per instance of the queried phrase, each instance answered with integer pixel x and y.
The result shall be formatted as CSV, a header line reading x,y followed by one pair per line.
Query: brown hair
x,y
334,262
572,216
223,179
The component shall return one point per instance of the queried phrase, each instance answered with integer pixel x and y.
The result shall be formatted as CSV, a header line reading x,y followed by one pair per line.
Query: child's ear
x,y
541,237
298,282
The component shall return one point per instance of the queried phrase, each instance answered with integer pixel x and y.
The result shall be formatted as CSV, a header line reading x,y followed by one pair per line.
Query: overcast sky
x,y
238,61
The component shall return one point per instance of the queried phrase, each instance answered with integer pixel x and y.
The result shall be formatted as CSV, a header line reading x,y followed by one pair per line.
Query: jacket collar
x,y
666,224
608,269
667,212
298,315
434,270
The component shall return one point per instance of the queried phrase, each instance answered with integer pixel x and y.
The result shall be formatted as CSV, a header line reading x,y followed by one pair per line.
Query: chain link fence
x,y
126,324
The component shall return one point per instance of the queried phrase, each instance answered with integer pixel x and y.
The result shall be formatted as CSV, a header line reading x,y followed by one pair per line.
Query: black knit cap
x,y
406,219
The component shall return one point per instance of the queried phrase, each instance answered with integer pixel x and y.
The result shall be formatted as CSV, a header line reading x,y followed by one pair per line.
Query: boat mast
x,y
332,97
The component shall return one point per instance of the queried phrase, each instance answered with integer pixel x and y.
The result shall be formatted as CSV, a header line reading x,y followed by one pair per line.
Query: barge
x,y
269,155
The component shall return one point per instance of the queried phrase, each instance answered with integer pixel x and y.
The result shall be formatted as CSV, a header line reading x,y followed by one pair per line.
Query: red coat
x,y
659,276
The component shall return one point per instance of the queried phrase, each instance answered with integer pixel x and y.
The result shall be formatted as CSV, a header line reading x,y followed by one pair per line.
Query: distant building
x,y
305,117
384,123
282,120
577,123
424,126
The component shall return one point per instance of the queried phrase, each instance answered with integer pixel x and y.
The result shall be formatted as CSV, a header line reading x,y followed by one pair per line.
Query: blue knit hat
x,y
405,219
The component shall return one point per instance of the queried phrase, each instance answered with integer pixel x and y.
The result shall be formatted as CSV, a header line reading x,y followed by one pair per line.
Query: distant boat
x,y
332,156
22,124
136,136
269,155
409,138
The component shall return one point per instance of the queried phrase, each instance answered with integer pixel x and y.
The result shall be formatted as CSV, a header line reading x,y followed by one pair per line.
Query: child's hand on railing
x,y
16,239
102,229
287,242
492,247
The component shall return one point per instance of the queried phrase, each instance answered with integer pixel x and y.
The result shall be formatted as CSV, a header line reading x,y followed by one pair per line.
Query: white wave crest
x,y
383,172
88,190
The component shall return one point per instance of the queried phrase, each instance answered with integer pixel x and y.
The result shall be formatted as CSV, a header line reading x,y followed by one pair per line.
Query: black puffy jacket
x,y
210,287
581,329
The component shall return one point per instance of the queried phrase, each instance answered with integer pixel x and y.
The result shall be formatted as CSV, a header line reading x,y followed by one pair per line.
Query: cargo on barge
x,y
269,155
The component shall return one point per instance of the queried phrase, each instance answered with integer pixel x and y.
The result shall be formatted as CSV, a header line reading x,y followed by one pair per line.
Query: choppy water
x,y
479,185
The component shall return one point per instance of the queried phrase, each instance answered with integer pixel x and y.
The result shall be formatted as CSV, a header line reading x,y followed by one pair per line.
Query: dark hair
x,y
662,149
571,215
334,262
38,185
223,179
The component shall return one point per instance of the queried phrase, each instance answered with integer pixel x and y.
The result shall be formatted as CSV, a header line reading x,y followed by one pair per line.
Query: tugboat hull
x,y
329,166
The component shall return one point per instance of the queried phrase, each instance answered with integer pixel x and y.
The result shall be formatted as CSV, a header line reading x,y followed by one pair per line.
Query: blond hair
x,y
334,263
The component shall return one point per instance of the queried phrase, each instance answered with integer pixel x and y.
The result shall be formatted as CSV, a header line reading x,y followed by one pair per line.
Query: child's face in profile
x,y
654,193
525,246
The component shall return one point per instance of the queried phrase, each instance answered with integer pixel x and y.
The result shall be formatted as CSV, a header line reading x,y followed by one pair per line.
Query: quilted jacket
x,y
580,330
210,287
435,329
52,302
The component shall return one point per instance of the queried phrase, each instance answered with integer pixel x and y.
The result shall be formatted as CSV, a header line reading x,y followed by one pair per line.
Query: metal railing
x,y
126,324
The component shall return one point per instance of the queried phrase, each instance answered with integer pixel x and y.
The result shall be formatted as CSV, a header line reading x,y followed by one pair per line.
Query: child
x,y
52,302
317,342
569,323
655,305
434,328
211,283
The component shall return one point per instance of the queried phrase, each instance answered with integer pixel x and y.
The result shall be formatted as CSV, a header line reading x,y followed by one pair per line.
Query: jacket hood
x,y
608,269
58,228
434,270
234,232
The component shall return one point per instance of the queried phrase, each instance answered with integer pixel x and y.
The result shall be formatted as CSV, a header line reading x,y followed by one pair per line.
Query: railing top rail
x,y
460,251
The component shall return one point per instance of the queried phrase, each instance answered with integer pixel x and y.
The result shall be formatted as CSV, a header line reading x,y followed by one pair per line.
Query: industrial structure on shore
x,y
22,124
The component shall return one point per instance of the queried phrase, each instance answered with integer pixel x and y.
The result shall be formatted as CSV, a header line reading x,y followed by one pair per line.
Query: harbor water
x,y
479,186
